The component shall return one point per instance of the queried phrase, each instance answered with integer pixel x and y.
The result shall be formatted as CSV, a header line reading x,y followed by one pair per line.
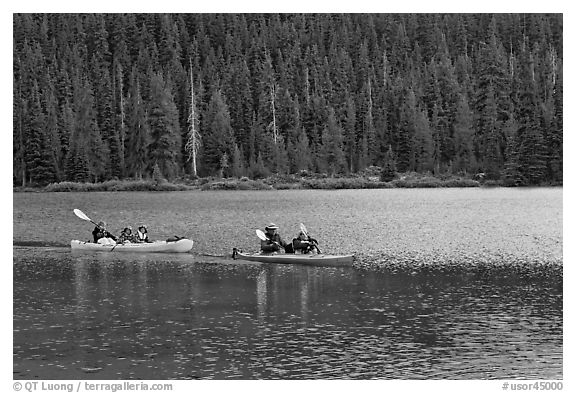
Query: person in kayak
x,y
126,236
273,240
142,234
303,244
101,235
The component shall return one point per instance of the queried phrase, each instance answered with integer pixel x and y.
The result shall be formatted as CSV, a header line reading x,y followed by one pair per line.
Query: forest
x,y
182,96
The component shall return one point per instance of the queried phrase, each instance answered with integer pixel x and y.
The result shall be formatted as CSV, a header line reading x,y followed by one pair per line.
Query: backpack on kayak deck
x,y
107,241
174,239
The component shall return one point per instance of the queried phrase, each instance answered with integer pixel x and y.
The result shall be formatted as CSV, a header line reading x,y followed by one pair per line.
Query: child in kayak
x,y
126,236
142,234
273,240
101,235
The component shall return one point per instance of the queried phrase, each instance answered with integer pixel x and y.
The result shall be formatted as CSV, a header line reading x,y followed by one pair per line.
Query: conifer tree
x,y
331,152
38,155
88,154
218,138
299,154
492,105
530,141
350,145
138,133
240,101
53,132
555,140
405,133
422,155
165,136
388,172
463,131
238,168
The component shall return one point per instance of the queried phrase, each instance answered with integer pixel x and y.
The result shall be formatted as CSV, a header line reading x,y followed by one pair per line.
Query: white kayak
x,y
182,245
303,259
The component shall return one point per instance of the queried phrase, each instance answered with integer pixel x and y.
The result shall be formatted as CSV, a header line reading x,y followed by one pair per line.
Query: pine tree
x,y
119,113
281,163
138,135
165,136
241,103
463,131
555,142
218,137
110,134
388,172
299,153
238,168
38,153
53,132
422,157
76,166
349,142
531,148
447,103
405,133
19,108
331,152
88,154
257,168
492,105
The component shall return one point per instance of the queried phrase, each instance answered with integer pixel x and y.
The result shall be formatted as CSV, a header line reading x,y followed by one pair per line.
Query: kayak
x,y
182,245
303,259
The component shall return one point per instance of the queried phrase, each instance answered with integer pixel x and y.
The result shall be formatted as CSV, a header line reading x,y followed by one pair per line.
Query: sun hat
x,y
271,226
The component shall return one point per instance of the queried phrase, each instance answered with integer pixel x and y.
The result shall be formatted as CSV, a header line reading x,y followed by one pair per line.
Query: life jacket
x,y
141,236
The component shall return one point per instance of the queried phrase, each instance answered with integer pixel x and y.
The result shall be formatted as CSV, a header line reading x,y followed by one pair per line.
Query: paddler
x,y
304,244
101,235
273,240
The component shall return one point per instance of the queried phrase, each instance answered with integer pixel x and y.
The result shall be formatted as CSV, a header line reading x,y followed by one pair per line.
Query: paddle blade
x,y
303,229
80,214
261,235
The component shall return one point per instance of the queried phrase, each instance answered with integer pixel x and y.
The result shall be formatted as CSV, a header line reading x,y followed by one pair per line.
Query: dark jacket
x,y
124,237
304,246
99,233
270,246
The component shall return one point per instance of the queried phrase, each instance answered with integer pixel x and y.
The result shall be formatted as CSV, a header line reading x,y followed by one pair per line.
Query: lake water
x,y
447,284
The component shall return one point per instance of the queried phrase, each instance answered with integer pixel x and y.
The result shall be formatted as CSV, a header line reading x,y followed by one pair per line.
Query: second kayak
x,y
304,259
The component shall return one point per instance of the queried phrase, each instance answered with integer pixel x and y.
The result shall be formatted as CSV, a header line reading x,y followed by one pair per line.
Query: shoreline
x,y
277,182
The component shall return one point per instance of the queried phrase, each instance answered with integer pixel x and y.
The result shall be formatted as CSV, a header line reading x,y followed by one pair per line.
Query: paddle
x,y
262,236
80,214
303,229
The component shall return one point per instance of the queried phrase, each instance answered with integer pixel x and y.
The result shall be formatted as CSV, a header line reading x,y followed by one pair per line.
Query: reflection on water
x,y
110,316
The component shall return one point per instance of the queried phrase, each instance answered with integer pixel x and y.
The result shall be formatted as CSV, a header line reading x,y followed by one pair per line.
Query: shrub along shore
x,y
302,181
